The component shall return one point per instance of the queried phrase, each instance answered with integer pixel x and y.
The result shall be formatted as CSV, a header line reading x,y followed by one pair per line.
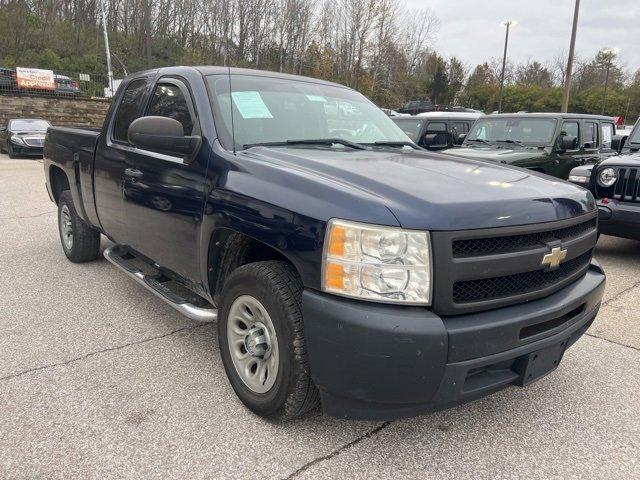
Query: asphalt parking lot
x,y
99,379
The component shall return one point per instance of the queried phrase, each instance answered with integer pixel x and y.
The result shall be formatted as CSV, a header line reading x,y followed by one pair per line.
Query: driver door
x,y
566,160
164,195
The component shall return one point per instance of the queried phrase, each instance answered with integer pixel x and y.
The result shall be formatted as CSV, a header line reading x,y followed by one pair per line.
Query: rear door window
x,y
128,110
590,135
607,134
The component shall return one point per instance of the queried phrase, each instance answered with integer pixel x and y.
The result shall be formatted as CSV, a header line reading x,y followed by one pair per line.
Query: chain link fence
x,y
54,83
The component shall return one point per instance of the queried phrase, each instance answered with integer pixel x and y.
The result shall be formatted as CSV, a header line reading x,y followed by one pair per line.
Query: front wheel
x,y
10,151
261,338
80,242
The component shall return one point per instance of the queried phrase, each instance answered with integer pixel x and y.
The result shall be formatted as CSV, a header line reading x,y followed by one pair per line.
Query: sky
x,y
470,29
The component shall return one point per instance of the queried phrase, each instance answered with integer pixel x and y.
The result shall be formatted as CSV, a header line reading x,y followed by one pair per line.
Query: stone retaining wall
x,y
69,112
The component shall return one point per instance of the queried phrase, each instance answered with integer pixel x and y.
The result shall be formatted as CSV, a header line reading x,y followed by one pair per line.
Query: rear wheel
x,y
80,242
261,338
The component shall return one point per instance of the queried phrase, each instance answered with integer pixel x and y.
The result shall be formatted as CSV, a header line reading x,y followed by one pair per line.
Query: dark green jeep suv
x,y
551,143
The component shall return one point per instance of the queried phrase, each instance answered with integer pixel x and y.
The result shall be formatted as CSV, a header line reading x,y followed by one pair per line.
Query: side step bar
x,y
115,255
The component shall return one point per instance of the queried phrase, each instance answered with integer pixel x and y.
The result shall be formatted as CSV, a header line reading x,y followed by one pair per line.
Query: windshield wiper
x,y
481,140
311,141
392,143
517,142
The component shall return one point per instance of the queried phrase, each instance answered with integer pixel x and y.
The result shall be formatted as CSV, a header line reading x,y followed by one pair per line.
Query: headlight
x,y
578,179
382,264
607,177
17,140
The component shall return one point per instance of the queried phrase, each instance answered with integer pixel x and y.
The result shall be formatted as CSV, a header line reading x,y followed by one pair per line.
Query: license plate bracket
x,y
535,365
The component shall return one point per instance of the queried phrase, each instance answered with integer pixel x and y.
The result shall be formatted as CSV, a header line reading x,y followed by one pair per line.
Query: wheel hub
x,y
253,344
257,341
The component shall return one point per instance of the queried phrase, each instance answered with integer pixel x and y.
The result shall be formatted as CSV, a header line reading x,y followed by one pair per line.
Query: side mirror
x,y
617,142
460,138
568,142
436,140
3,128
162,135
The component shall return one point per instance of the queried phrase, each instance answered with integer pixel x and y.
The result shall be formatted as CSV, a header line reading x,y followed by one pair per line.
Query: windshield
x,y
532,131
267,110
29,125
410,126
635,135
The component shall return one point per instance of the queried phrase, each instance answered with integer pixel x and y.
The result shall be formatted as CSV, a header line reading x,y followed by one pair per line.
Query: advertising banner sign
x,y
35,78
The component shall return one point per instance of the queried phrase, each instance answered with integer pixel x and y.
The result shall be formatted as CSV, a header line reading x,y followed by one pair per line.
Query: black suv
x,y
615,182
437,130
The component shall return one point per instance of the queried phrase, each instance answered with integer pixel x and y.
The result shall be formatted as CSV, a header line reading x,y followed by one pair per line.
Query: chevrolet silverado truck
x,y
551,143
615,183
344,264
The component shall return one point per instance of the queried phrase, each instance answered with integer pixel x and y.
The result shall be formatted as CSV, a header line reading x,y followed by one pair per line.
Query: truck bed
x,y
73,150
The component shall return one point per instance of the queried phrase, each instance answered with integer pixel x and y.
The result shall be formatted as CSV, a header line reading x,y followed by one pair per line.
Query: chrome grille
x,y
33,141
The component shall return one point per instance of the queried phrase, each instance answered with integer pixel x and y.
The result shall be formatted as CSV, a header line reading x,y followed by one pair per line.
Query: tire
x,y
84,244
278,289
10,151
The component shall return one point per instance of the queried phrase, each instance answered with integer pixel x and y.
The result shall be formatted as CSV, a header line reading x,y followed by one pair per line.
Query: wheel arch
x,y
229,249
59,182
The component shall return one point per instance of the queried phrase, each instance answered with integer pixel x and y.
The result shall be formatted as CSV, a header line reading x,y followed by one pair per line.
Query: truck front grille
x,y
484,246
626,187
476,270
501,287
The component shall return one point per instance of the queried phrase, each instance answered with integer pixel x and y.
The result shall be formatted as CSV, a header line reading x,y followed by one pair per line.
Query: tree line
x,y
378,47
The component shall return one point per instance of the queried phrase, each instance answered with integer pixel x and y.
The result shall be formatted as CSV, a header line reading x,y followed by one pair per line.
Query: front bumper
x,y
620,219
23,149
374,361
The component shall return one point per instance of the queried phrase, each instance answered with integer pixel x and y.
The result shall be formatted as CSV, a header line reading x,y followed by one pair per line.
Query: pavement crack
x,y
28,216
613,341
338,451
619,294
105,350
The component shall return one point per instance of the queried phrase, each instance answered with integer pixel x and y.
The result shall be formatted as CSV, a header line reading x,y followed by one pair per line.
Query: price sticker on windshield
x,y
250,105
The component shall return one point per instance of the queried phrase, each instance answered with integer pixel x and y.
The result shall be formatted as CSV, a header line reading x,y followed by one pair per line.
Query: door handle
x,y
132,172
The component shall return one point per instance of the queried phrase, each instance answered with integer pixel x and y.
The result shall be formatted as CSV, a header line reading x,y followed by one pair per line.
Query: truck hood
x,y
426,190
502,155
626,160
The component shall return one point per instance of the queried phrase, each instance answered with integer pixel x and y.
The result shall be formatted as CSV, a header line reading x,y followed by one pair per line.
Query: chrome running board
x,y
115,255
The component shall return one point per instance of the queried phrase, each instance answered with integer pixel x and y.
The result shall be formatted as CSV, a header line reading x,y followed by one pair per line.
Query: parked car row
x,y
615,183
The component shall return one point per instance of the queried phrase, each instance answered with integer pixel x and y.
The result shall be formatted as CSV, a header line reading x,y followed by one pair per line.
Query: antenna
x,y
233,133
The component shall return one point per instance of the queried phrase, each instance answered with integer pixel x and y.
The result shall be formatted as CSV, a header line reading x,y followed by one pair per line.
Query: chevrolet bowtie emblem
x,y
554,258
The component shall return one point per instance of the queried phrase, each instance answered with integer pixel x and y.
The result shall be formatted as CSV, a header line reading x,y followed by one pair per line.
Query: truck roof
x,y
221,70
553,115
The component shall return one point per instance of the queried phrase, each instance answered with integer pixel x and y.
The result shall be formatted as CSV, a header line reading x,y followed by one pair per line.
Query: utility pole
x,y
567,77
610,53
506,23
106,47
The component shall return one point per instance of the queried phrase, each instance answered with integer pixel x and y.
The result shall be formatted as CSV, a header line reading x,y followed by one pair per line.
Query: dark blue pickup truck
x,y
344,264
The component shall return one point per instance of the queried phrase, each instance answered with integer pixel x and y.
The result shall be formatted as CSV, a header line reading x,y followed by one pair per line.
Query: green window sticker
x,y
250,105
316,98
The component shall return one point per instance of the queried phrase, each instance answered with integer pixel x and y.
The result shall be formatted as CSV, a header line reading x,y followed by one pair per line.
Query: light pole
x,y
572,45
610,53
106,47
508,24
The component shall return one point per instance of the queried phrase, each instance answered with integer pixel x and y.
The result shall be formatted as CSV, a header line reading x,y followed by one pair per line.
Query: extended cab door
x,y
164,194
111,159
